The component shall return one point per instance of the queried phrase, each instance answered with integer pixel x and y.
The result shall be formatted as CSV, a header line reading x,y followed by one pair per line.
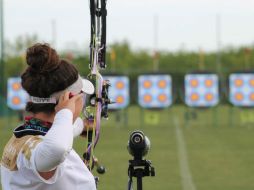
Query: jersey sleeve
x,y
26,163
47,153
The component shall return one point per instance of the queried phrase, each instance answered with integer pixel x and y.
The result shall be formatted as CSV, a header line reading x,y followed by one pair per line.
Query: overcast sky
x,y
188,24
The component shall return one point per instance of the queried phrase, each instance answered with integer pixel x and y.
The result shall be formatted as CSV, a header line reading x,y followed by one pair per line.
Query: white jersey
x,y
72,174
18,168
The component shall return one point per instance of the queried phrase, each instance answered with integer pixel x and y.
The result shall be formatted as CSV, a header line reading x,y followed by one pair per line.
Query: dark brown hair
x,y
46,73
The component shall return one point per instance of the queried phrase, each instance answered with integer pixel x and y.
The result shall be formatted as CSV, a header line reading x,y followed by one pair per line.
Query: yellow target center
x,y
147,98
208,83
162,98
252,96
252,82
239,96
120,99
16,86
147,84
119,85
209,97
194,97
194,83
162,84
16,100
238,82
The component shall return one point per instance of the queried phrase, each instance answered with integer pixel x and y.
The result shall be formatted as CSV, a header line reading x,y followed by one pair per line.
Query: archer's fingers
x,y
61,98
77,97
66,95
60,103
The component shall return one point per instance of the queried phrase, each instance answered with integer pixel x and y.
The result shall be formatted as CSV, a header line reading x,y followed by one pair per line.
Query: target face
x,y
119,91
155,91
201,90
241,89
16,96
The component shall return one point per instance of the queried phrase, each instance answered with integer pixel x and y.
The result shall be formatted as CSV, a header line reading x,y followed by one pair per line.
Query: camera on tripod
x,y
138,146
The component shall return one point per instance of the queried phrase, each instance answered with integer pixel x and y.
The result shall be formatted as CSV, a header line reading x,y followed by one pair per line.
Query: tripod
x,y
139,168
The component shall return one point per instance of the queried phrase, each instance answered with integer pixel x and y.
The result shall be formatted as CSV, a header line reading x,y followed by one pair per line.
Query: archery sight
x,y
104,99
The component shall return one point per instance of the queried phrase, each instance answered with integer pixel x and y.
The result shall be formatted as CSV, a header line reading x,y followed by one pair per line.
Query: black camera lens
x,y
137,138
138,144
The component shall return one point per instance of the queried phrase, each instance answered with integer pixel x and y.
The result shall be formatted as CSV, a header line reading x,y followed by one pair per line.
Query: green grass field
x,y
191,149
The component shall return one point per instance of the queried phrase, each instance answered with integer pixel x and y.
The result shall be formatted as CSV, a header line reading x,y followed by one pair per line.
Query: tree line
x,y
122,59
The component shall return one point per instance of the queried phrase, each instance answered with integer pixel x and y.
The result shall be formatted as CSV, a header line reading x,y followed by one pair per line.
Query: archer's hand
x,y
65,102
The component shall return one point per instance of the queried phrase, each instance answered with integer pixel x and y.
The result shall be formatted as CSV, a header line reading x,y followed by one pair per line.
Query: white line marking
x,y
186,177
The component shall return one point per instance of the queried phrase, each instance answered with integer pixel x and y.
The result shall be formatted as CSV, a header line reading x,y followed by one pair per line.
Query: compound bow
x,y
98,102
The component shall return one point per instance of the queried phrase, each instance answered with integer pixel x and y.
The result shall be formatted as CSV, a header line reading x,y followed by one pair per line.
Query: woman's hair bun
x,y
42,58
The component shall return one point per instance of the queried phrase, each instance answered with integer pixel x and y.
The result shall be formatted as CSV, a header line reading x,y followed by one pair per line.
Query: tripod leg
x,y
139,183
130,184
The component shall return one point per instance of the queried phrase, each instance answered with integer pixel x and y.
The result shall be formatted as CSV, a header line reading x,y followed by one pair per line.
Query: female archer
x,y
39,155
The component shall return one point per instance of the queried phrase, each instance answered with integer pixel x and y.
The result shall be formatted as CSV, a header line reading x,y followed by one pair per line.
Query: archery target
x,y
201,90
155,91
16,95
119,91
241,89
